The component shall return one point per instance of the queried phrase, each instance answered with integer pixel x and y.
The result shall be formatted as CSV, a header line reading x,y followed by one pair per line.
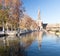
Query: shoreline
x,y
22,33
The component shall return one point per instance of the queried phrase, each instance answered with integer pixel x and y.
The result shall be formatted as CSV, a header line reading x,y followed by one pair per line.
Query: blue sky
x,y
49,9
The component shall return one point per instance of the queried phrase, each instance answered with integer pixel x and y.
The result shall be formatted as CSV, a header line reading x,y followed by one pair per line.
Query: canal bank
x,y
15,33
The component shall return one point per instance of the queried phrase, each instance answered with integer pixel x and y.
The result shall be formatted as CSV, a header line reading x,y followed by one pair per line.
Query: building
x,y
53,27
39,21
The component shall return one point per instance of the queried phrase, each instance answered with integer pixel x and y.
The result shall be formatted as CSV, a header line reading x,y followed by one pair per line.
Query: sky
x,y
49,10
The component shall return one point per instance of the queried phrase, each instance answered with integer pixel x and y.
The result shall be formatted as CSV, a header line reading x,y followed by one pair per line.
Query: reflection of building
x,y
39,22
39,39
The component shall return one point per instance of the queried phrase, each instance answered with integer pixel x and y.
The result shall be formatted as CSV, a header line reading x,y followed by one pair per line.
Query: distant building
x,y
53,27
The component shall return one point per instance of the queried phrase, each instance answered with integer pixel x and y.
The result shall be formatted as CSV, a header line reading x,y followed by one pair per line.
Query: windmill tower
x,y
39,21
39,15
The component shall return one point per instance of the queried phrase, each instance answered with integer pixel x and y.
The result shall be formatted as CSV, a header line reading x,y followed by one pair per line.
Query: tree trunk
x,y
3,27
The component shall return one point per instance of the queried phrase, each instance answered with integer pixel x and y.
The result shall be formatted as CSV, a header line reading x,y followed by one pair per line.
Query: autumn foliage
x,y
10,11
27,23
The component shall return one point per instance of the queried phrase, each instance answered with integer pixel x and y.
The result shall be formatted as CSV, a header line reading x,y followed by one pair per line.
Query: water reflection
x,y
55,36
27,40
10,46
39,39
28,45
15,46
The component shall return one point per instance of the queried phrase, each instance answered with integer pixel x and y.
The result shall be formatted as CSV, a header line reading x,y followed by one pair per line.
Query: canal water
x,y
33,44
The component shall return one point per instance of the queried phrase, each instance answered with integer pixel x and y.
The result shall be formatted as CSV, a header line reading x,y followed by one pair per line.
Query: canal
x,y
33,44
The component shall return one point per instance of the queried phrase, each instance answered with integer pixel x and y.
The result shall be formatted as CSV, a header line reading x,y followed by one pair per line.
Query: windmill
x,y
39,21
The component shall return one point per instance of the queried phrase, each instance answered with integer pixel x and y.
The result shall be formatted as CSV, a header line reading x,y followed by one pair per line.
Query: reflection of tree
x,y
39,38
28,39
11,47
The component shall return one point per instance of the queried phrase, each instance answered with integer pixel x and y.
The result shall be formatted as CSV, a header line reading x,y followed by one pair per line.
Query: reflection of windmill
x,y
39,38
39,22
